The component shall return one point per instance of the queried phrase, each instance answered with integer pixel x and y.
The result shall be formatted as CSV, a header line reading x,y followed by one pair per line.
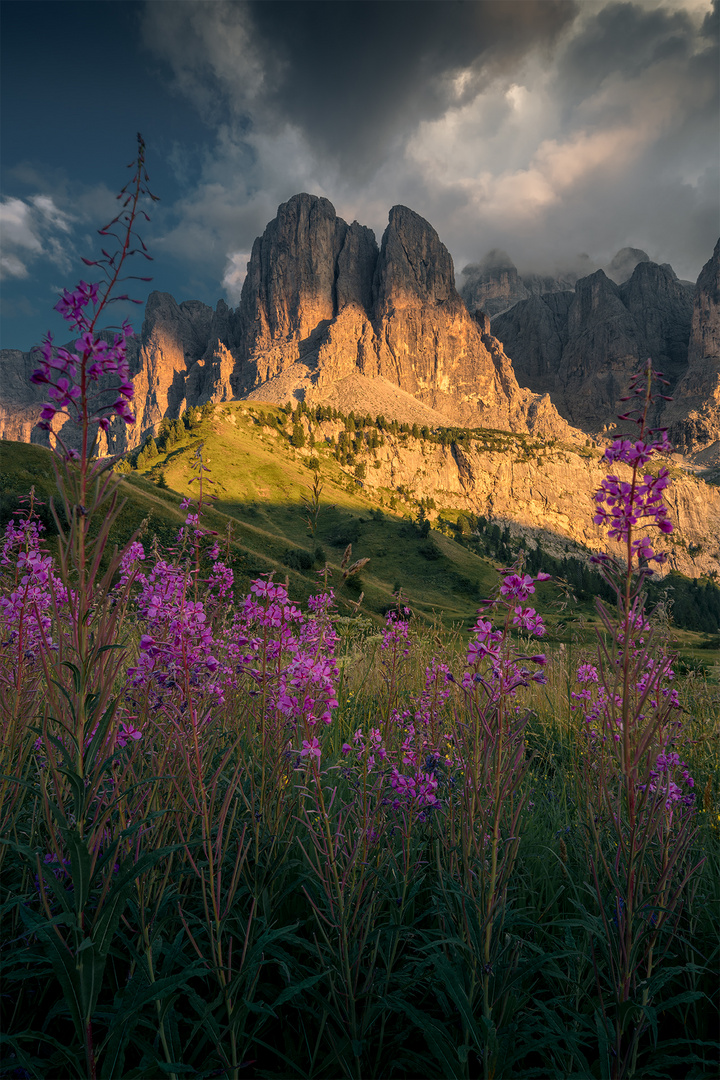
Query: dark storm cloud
x,y
546,128
623,39
543,127
356,74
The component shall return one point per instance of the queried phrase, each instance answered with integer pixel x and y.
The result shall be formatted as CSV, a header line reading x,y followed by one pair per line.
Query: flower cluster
x,y
623,504
601,711
418,789
179,649
68,374
288,656
671,779
395,639
507,666
408,785
26,609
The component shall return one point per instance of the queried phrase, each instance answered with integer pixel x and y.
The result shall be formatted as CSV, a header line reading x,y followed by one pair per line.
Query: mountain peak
x,y
623,263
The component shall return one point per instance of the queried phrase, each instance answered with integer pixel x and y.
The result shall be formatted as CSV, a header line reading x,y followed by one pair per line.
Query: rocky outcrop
x,y
545,492
178,359
494,285
322,302
623,263
290,293
603,351
536,331
427,344
583,347
173,338
693,417
20,401
662,309
705,333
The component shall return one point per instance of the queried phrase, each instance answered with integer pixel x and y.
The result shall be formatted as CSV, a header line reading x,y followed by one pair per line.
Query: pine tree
x,y
298,435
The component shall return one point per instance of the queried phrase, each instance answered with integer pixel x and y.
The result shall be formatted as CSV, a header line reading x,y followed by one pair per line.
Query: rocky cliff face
x,y
693,417
582,347
428,344
306,266
320,303
546,492
182,360
20,401
494,285
177,360
324,311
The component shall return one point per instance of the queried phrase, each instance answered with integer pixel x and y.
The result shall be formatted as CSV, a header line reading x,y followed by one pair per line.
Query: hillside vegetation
x,y
265,464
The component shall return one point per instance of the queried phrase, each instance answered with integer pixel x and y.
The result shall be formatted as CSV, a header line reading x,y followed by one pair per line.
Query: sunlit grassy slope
x,y
259,482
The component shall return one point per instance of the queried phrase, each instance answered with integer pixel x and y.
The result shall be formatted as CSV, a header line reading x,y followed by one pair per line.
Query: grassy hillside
x,y
262,486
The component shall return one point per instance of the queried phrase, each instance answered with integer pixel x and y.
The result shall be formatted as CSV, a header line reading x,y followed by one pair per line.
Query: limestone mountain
x,y
693,417
545,491
494,285
321,306
581,347
328,316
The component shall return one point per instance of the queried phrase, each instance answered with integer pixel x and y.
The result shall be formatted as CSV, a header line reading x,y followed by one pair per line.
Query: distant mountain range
x,y
328,316
580,346
495,284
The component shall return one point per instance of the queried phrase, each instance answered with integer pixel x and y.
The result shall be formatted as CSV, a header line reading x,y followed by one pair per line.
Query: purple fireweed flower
x,y
127,733
395,635
178,648
517,586
26,609
529,620
622,504
671,780
65,372
275,645
311,749
417,789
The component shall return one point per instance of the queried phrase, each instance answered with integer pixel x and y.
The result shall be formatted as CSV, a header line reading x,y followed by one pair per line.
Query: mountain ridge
x,y
324,311
581,348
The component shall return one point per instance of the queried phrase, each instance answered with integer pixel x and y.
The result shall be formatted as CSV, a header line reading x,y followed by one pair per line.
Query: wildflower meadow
x,y
243,836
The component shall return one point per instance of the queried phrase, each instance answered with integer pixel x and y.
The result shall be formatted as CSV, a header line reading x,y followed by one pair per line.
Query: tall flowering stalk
x,y
77,383
76,616
27,583
485,818
639,797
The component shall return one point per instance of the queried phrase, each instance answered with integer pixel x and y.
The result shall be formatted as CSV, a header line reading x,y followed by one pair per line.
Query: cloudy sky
x,y
549,128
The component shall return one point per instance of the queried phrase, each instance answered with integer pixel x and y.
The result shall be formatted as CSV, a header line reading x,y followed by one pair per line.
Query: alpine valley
x,y
494,400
